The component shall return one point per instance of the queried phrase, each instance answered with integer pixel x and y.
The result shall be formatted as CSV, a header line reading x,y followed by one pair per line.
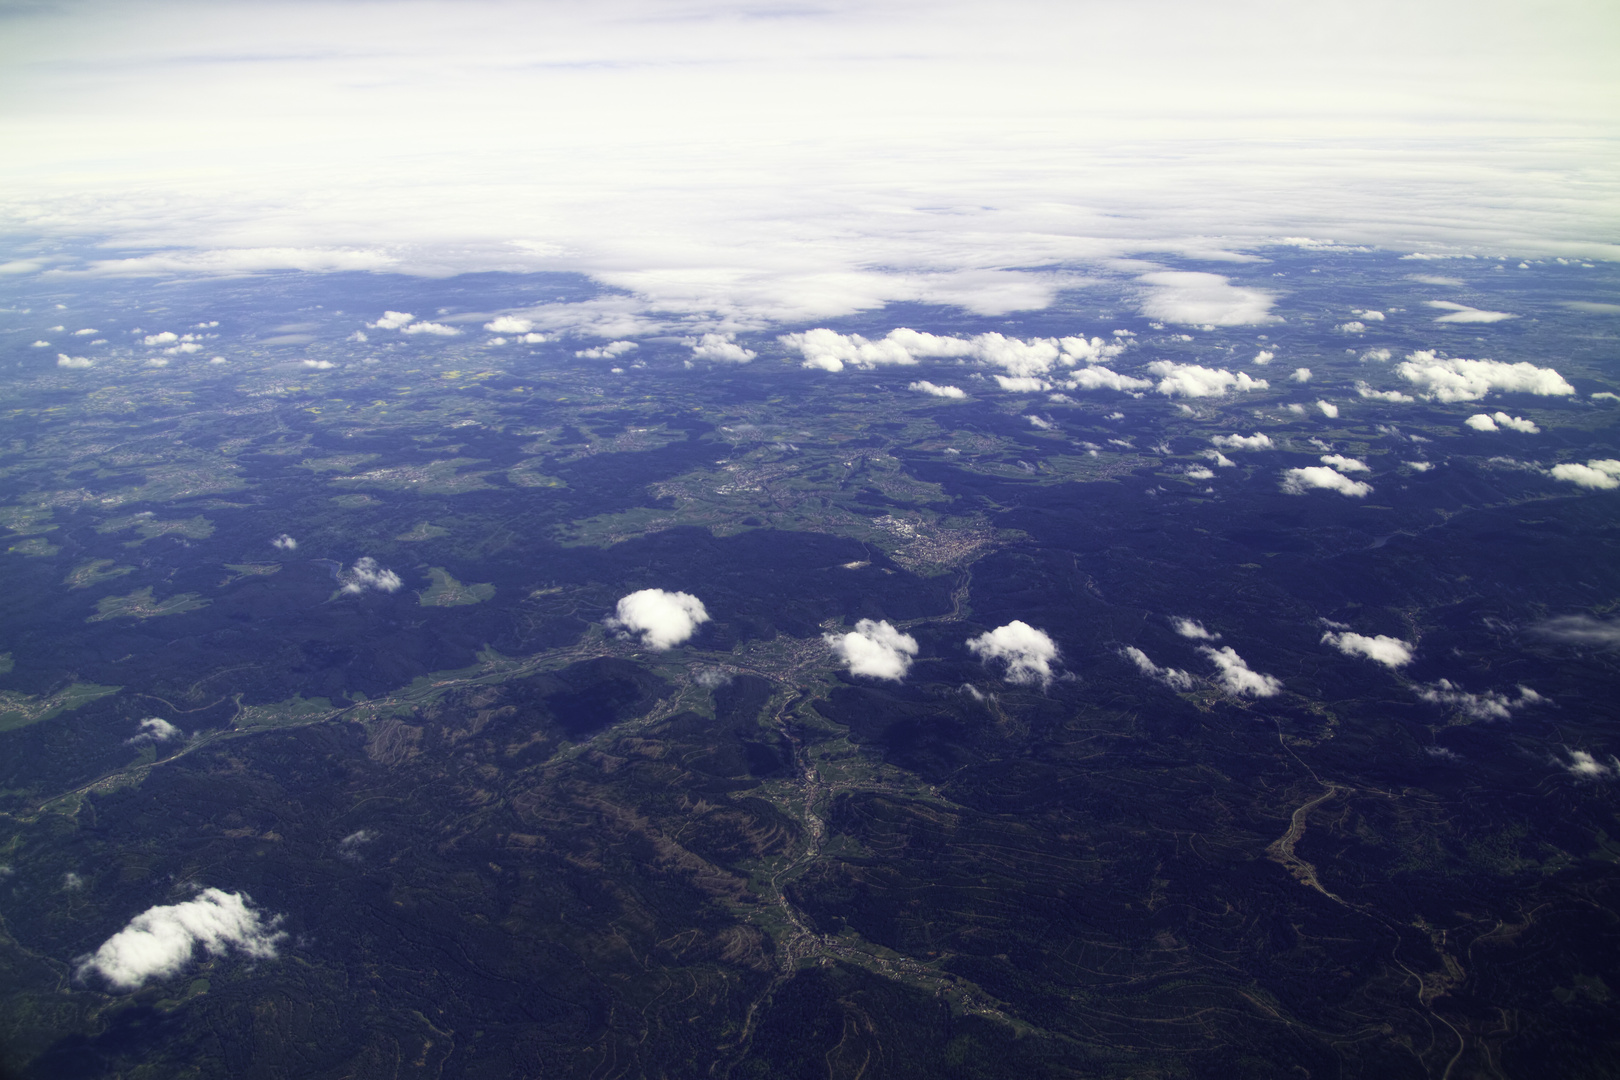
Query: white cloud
x,y
610,351
162,940
155,729
1501,420
167,337
1581,630
1257,441
1583,764
509,324
1219,459
1383,356
1299,481
1369,315
1490,705
284,543
532,339
1462,313
1263,357
85,333
1027,652
42,344
1192,628
1196,381
1382,395
1389,651
1040,422
1200,299
1329,410
1600,474
1470,380
1301,374
663,619
1022,384
1236,675
1019,359
349,846
64,360
874,649
1174,678
319,365
433,328
1198,472
1101,378
1345,464
923,386
720,347
366,574
1420,466
358,335
392,320
1352,327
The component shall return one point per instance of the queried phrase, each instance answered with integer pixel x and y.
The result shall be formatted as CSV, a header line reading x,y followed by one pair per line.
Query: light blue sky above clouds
x,y
754,165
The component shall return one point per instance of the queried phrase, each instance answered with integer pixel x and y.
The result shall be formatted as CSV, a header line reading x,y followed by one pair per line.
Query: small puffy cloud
x,y
1580,630
1101,378
875,649
720,347
831,351
1299,481
1470,380
1382,395
162,940
349,846
1490,705
155,729
1351,327
663,619
66,361
1600,474
1197,381
284,543
1583,764
1601,395
1369,315
46,345
1199,299
366,574
1027,652
1022,384
1174,678
612,350
167,337
509,324
923,386
1219,459
158,361
1391,652
1263,357
532,339
1040,422
1345,464
319,365
1383,356
85,333
1420,466
1329,410
392,320
1501,421
433,328
1301,374
358,335
1236,675
1462,313
1198,472
1192,628
1257,441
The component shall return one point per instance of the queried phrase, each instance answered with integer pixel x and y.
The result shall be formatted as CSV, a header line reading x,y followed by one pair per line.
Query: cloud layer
x,y
162,940
663,619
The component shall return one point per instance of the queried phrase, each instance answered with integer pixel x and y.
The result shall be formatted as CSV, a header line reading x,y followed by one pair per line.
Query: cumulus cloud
x,y
1199,299
66,361
1301,374
45,345
1329,410
1257,441
162,940
923,386
874,649
509,324
1490,705
1470,380
610,351
392,320
1580,630
1345,464
1382,395
720,347
663,619
1219,459
1040,422
1101,378
1192,628
366,574
1263,357
1501,421
1369,315
831,351
319,365
1462,313
1022,384
167,337
1027,652
1299,481
1236,675
1174,678
284,543
1389,651
1600,474
155,729
1584,764
349,846
1352,327
433,328
1197,381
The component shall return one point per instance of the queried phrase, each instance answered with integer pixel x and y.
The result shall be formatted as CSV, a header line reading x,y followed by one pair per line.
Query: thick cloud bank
x,y
663,619
1237,677
161,940
1391,652
1470,380
1027,652
875,649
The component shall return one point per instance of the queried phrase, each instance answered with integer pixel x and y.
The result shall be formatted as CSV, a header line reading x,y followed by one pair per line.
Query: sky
x,y
744,166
